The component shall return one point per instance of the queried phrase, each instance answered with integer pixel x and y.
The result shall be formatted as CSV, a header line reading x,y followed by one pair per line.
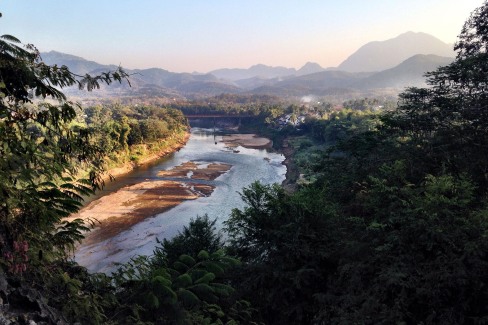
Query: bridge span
x,y
213,120
216,116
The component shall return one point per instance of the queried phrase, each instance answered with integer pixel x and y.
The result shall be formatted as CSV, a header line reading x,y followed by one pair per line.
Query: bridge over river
x,y
191,116
213,120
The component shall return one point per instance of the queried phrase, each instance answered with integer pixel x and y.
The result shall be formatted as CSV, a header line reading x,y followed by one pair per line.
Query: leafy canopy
x,y
41,152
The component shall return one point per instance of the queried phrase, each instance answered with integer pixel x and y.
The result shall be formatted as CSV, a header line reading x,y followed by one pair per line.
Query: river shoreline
x,y
292,173
129,218
247,140
127,206
130,166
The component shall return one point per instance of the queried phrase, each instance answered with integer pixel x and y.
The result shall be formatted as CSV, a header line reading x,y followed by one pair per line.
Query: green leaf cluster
x,y
186,290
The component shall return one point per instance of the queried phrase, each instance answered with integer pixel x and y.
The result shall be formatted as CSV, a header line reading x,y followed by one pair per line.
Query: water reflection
x,y
204,146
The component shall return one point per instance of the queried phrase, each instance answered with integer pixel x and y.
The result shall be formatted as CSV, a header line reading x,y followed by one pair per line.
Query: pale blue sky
x,y
202,35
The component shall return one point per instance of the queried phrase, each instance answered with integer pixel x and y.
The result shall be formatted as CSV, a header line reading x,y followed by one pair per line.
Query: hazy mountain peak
x,y
61,56
411,33
308,68
75,63
382,55
259,66
408,73
257,70
311,64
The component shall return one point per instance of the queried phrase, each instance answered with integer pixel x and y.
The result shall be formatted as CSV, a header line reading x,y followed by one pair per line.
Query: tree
x,y
200,234
39,153
447,122
41,156
185,288
286,246
413,198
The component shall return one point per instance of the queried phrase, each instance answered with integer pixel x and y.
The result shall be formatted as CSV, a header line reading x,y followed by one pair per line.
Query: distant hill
x,y
308,68
155,81
76,64
318,83
258,70
408,73
281,81
378,56
261,72
255,82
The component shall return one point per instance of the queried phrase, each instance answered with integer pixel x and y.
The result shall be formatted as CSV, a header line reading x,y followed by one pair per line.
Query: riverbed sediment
x,y
251,141
204,177
122,209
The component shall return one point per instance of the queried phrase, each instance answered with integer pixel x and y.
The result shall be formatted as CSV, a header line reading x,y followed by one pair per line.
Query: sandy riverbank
x,y
255,142
123,209
120,210
194,171
251,141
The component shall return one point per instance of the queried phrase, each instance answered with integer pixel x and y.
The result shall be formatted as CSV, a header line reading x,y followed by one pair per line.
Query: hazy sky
x,y
202,35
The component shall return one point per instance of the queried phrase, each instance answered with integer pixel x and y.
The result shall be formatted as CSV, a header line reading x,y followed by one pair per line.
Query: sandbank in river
x,y
120,210
130,205
139,201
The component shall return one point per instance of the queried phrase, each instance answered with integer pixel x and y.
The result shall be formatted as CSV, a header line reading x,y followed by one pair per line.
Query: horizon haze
x,y
192,36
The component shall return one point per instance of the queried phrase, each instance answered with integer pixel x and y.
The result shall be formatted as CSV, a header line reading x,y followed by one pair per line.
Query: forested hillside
x,y
393,229
390,224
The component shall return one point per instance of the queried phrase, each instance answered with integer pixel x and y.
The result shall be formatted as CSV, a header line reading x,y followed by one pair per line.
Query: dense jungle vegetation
x,y
131,133
390,226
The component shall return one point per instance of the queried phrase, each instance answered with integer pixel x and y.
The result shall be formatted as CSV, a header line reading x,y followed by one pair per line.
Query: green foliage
x,y
196,239
183,292
340,125
394,229
285,243
128,134
39,151
395,251
42,150
369,104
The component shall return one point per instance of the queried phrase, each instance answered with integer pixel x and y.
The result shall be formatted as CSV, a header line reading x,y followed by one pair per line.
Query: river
x,y
203,147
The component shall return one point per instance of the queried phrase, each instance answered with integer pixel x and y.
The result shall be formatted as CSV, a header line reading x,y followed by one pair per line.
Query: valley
x,y
349,189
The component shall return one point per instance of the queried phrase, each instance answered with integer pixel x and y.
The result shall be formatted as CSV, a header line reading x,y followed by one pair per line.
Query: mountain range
x,y
392,64
378,56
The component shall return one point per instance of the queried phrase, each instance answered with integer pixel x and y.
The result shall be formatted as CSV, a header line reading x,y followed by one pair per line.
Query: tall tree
x,y
448,122
41,154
